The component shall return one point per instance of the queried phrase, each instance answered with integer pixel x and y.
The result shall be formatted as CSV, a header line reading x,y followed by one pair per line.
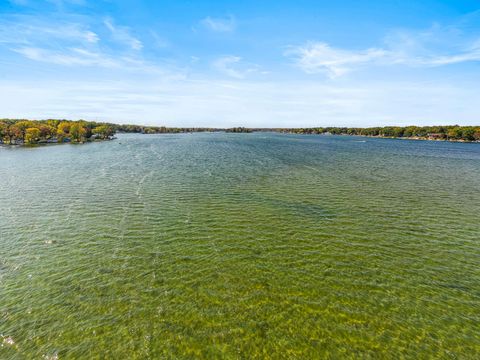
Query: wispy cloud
x,y
431,48
436,46
76,57
31,31
68,57
232,66
319,57
227,24
75,44
224,65
122,35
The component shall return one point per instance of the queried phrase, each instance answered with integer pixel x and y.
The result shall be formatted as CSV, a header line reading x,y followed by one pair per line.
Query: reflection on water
x,y
240,246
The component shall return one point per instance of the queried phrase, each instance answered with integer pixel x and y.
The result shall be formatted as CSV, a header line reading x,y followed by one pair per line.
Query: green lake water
x,y
240,246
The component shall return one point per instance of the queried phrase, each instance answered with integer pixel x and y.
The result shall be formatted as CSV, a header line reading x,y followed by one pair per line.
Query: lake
x,y
241,246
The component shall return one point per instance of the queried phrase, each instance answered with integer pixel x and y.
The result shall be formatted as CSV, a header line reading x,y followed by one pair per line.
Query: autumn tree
x,y
21,128
454,133
476,134
32,135
3,131
13,134
63,130
103,131
77,132
46,131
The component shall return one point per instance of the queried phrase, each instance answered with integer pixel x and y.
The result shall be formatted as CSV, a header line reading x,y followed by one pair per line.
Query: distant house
x,y
435,136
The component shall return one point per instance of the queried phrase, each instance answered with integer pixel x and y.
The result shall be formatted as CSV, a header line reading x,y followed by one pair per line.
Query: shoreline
x,y
56,143
416,138
53,143
21,132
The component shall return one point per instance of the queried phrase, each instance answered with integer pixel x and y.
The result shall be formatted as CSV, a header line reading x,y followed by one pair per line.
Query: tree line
x,y
17,132
52,131
450,132
161,129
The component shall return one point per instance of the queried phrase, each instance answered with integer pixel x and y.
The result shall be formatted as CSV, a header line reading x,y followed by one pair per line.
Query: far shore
x,y
415,138
14,132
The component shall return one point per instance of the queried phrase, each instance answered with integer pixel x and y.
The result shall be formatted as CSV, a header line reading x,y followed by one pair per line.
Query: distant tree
x,y
468,133
32,135
46,131
103,131
454,133
3,131
21,128
13,134
476,134
387,131
63,131
398,131
410,131
77,132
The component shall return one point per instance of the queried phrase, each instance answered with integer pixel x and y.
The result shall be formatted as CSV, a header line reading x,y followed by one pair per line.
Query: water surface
x,y
240,246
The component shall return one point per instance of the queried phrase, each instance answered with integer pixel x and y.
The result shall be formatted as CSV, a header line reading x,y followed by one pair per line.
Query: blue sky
x,y
268,63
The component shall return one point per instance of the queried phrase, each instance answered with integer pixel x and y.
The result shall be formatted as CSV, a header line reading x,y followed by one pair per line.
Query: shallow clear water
x,y
240,246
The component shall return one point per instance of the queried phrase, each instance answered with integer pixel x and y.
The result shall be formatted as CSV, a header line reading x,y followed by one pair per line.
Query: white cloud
x,y
450,59
467,53
430,48
122,35
219,24
232,66
436,46
316,57
74,44
88,58
69,57
24,30
224,65
91,37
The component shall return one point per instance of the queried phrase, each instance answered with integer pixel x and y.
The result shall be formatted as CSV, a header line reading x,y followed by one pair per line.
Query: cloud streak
x,y
24,30
71,43
227,24
319,57
413,50
80,57
122,35
225,63
234,67
70,57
